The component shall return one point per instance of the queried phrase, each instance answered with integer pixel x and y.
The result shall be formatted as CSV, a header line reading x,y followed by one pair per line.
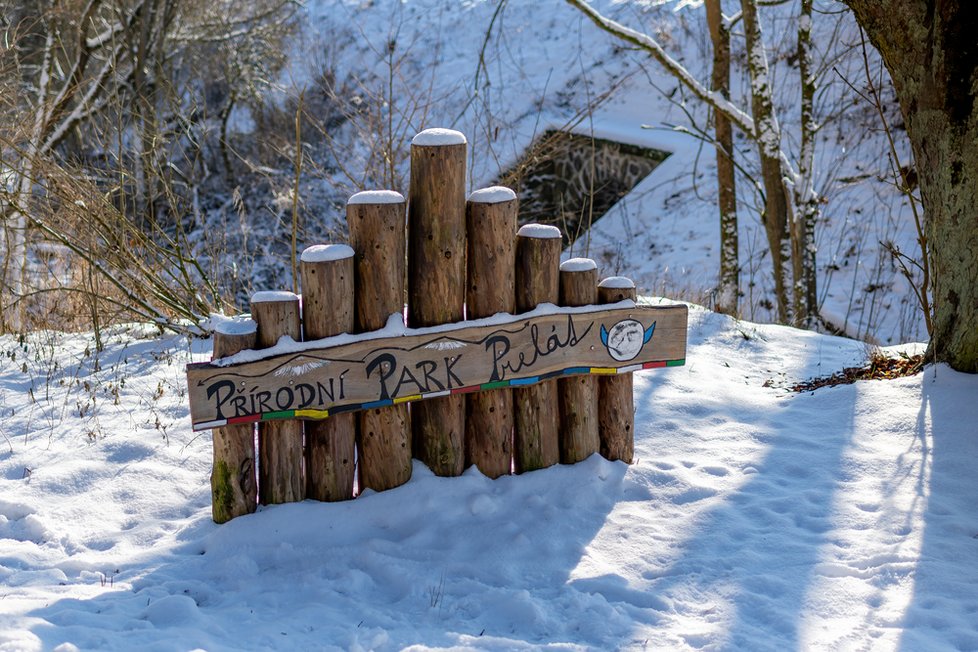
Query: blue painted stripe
x,y
525,381
576,370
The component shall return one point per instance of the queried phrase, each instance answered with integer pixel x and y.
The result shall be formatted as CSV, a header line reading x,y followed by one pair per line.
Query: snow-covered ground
x,y
754,518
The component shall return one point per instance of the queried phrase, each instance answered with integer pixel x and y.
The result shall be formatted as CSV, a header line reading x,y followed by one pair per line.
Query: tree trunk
x,y
805,197
729,285
767,134
931,53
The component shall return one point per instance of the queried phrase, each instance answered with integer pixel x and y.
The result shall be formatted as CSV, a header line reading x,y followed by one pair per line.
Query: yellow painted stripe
x,y
407,399
604,370
312,414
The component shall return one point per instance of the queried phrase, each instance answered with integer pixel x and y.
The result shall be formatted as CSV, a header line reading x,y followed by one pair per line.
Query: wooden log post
x,y
578,395
279,442
326,273
491,219
377,234
616,406
436,286
234,490
535,438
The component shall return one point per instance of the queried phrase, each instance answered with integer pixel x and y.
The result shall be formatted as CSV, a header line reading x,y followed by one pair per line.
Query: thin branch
x,y
743,121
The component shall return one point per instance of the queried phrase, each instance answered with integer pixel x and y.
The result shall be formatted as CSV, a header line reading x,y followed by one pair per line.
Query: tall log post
x,y
234,490
436,283
279,442
491,218
579,394
326,273
535,438
377,234
616,407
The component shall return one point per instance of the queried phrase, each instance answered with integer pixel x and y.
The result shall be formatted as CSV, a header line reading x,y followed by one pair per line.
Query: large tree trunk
x,y
729,285
931,52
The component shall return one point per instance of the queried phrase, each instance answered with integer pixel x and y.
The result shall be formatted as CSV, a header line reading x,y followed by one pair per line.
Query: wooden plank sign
x,y
314,380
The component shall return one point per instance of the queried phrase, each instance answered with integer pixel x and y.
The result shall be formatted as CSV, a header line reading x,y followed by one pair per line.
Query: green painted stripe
x,y
495,385
284,414
675,363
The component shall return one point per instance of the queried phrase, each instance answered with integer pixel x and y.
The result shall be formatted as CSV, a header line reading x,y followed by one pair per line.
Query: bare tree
x,y
791,247
729,284
106,96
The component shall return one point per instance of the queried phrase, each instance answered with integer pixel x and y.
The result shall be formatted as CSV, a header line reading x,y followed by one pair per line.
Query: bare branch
x,y
650,45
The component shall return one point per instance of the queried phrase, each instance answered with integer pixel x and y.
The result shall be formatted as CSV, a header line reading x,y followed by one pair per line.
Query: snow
x,y
753,518
544,231
269,296
229,325
437,137
376,197
326,253
617,283
578,265
492,195
541,68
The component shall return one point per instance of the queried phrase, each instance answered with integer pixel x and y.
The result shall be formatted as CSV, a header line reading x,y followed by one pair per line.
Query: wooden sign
x,y
314,380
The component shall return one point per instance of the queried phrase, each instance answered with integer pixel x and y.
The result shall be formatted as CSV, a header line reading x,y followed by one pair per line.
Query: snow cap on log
x,y
544,231
492,195
326,253
437,137
578,265
232,325
268,296
376,197
617,283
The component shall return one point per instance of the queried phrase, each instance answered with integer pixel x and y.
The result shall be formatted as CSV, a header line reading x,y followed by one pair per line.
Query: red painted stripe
x,y
466,390
654,365
251,418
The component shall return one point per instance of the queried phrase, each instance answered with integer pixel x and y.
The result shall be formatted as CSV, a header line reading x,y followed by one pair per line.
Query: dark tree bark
x,y
729,286
930,50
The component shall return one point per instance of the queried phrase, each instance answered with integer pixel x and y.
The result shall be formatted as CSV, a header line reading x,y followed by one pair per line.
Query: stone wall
x,y
570,181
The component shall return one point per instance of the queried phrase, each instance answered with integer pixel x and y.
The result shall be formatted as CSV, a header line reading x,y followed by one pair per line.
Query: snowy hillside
x,y
754,518
543,65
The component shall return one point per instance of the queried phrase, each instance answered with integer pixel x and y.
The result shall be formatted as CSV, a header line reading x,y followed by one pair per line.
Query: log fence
x,y
480,368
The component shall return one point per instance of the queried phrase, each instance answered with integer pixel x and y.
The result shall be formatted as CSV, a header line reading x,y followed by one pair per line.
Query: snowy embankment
x,y
544,66
754,518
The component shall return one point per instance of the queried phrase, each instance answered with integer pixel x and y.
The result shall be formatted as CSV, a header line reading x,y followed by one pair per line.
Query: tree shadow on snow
x,y
943,610
742,566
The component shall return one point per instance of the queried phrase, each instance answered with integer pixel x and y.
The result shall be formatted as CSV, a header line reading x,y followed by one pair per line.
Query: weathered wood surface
x,y
378,237
234,488
616,406
491,220
535,429
339,375
279,442
578,396
327,309
436,282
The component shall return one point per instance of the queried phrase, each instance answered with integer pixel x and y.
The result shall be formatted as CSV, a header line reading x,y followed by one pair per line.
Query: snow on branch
x,y
650,45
